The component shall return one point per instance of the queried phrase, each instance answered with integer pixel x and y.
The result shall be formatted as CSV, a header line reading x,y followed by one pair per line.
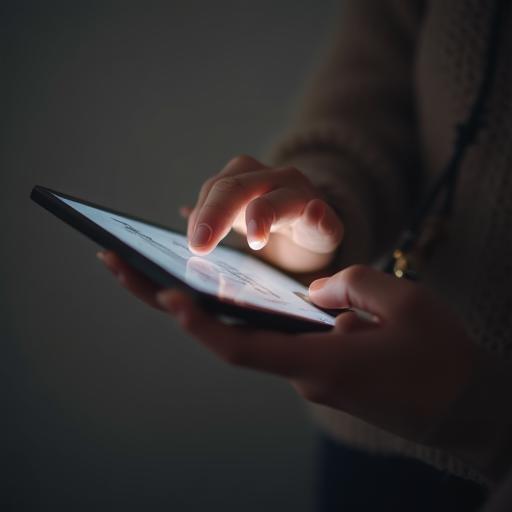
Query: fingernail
x,y
253,238
202,235
100,255
317,285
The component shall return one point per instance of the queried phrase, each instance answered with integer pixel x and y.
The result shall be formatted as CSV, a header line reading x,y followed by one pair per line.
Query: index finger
x,y
237,165
230,195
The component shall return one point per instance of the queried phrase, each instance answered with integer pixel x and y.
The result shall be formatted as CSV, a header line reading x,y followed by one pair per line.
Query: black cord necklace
x,y
425,224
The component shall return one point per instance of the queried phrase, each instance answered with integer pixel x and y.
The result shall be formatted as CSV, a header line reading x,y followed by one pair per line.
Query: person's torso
x,y
471,266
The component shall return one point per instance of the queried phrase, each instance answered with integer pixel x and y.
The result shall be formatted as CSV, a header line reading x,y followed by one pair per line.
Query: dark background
x,y
105,404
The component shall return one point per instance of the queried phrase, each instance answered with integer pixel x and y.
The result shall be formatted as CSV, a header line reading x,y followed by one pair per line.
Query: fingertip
x,y
257,245
317,285
200,241
257,238
317,293
324,293
199,251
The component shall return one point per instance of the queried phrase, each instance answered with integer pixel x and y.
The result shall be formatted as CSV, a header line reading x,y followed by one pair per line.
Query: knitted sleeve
x,y
356,133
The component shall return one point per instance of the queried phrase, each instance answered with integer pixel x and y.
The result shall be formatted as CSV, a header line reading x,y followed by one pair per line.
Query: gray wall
x,y
106,404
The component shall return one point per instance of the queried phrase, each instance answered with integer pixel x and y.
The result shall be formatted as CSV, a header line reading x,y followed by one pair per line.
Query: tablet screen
x,y
226,273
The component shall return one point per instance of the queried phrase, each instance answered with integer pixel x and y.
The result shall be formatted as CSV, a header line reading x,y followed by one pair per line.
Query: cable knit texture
x,y
383,107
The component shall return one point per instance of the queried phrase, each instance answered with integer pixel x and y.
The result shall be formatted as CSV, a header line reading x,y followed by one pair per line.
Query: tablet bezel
x,y
259,317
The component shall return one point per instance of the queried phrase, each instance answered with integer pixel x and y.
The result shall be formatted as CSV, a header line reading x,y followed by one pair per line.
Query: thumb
x,y
360,287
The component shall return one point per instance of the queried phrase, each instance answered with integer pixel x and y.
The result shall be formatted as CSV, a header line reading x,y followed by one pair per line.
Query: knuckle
x,y
229,185
208,184
354,274
242,161
262,207
312,393
215,210
296,176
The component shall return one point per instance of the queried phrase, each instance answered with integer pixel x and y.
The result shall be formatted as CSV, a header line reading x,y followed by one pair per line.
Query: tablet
x,y
229,283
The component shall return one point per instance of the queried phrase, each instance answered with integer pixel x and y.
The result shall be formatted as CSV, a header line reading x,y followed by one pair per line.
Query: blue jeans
x,y
351,480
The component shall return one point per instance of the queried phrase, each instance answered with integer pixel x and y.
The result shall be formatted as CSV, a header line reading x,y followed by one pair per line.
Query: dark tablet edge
x,y
45,197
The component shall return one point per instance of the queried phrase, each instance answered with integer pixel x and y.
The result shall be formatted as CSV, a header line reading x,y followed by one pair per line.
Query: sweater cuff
x,y
478,427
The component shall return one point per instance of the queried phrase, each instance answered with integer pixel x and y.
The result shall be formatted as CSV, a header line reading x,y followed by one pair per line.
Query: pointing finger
x,y
238,165
228,196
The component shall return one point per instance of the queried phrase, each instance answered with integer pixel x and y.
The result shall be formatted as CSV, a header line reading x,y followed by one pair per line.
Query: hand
x,y
260,203
400,371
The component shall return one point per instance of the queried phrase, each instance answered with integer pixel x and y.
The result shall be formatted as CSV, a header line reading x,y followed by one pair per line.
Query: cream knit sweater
x,y
376,126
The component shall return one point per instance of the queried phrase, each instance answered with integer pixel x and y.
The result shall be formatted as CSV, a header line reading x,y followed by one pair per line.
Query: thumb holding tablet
x,y
400,367
385,369
258,201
